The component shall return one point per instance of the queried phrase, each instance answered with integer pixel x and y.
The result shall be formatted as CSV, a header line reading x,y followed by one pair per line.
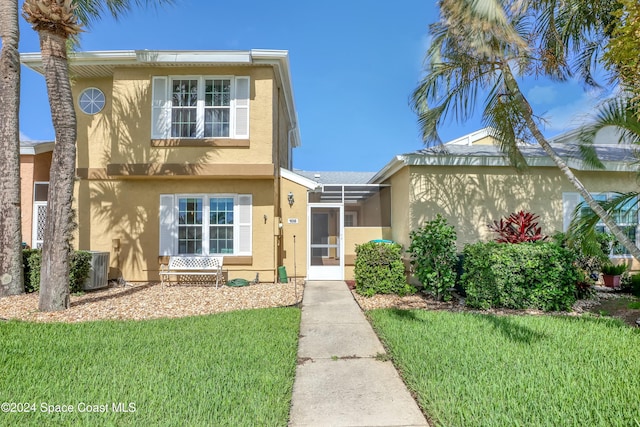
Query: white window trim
x,y
169,229
35,242
354,215
570,200
163,103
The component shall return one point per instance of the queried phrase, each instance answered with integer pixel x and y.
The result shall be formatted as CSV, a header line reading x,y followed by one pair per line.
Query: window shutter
x,y
569,203
168,219
160,109
244,224
242,107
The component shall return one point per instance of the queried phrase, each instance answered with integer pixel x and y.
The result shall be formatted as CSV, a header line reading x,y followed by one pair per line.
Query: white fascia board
x,y
388,170
38,148
191,57
470,138
33,60
298,179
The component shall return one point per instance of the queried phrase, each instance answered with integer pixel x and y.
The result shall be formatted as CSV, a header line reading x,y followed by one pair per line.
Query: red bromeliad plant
x,y
518,228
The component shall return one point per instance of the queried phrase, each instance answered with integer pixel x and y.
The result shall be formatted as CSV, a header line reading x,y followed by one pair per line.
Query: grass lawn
x,y
234,369
485,370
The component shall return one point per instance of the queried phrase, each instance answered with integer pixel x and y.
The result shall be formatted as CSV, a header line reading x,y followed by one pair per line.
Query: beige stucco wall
x,y
298,210
33,168
26,197
472,197
129,210
121,133
356,236
400,209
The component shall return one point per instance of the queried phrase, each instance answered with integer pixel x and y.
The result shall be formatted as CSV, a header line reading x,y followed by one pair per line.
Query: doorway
x,y
326,245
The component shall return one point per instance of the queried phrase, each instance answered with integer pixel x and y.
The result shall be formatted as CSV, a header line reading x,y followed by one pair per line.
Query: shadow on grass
x,y
404,314
511,330
503,324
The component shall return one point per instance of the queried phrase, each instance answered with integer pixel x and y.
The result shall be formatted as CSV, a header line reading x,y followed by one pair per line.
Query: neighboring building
x,y
35,162
471,183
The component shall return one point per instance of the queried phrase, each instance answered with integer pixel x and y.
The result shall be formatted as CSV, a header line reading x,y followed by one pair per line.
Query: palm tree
x,y
56,21
11,281
482,48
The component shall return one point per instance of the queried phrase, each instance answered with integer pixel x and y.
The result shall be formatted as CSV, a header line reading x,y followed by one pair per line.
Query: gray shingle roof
x,y
606,152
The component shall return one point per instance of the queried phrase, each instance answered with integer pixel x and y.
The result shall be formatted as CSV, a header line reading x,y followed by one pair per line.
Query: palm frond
x,y
584,220
619,112
503,117
91,11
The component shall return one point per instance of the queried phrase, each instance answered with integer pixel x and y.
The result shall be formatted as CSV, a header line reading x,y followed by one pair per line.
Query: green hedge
x,y
527,275
380,270
80,266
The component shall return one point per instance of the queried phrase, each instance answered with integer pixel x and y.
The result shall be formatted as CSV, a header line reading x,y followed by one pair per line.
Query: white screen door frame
x,y
325,251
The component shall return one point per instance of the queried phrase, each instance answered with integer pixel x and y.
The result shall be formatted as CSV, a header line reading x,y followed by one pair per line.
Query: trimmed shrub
x,y
527,275
31,263
380,270
79,268
434,258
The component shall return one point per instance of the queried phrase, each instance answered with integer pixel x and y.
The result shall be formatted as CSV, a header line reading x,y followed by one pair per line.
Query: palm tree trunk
x,y
525,108
54,274
11,280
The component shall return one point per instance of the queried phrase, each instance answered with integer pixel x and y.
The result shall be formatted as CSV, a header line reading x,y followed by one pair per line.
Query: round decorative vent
x,y
91,100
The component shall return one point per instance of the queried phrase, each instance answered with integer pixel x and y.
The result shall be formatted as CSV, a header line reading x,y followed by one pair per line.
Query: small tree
x,y
433,256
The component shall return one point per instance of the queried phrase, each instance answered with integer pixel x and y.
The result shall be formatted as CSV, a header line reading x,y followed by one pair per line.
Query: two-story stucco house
x,y
182,153
190,152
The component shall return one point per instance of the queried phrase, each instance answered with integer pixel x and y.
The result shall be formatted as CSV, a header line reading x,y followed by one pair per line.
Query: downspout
x,y
290,148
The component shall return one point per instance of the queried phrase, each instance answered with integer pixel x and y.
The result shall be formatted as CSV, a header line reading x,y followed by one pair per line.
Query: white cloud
x,y
542,95
571,115
24,137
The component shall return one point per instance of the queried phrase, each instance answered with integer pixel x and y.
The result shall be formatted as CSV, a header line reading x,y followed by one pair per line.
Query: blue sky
x,y
354,65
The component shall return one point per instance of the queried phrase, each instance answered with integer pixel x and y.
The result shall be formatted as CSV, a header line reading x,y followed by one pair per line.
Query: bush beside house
x,y
80,266
518,276
379,270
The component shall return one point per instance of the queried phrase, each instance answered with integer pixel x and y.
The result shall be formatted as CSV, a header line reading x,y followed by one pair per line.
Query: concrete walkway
x,y
338,381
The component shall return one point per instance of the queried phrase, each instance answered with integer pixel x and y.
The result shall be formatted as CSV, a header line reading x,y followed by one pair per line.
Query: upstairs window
x,y
200,107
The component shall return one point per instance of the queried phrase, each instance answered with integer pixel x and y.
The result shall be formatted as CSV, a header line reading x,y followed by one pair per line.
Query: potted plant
x,y
611,274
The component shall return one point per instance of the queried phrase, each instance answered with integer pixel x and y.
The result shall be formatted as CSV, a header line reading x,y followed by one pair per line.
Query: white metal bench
x,y
192,265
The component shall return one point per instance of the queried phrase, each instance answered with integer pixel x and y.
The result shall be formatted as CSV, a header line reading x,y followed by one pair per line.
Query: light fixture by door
x,y
290,198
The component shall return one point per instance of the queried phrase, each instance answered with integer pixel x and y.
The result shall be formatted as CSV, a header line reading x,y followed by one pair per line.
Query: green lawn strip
x,y
485,370
227,369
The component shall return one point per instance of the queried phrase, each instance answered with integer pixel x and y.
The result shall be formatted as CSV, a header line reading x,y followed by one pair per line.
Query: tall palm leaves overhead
x,y
481,48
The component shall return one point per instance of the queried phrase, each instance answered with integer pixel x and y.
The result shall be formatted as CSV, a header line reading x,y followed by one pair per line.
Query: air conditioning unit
x,y
99,273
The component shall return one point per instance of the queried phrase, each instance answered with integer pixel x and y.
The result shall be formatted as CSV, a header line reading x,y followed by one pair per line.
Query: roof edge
x,y
298,179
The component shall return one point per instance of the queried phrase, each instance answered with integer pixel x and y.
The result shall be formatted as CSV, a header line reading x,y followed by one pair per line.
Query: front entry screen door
x,y
325,250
